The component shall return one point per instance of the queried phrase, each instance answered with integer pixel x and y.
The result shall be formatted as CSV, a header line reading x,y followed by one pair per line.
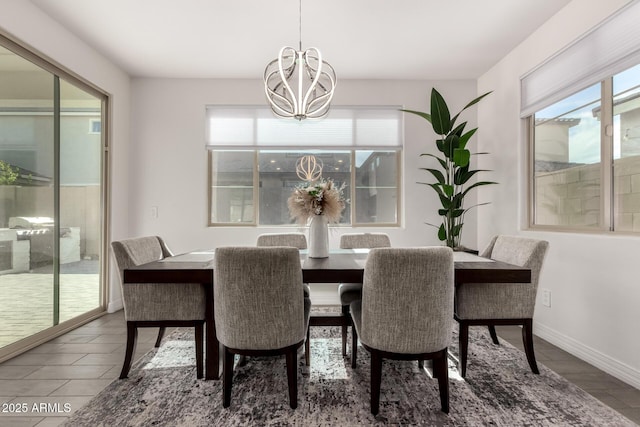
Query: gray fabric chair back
x,y
131,252
407,299
150,301
295,240
495,301
520,251
364,240
258,299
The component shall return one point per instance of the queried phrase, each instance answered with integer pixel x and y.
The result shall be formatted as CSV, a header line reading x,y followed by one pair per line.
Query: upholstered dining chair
x,y
295,240
491,304
157,304
298,241
405,312
259,308
349,292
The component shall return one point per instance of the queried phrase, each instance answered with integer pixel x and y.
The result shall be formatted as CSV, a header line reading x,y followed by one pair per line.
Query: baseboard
x,y
596,358
324,294
114,306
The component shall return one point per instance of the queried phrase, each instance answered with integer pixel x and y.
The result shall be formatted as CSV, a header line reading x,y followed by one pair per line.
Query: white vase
x,y
319,237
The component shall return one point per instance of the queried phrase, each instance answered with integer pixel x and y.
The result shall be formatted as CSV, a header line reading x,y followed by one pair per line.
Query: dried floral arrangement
x,y
317,198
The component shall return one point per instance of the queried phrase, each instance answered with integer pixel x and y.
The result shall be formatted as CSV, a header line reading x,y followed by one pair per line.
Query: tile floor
x,y
58,377
27,301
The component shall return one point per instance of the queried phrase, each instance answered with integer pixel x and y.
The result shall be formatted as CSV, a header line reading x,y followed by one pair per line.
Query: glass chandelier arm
x,y
312,52
282,70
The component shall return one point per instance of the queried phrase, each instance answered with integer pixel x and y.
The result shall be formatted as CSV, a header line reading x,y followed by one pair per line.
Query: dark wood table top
x,y
192,267
343,265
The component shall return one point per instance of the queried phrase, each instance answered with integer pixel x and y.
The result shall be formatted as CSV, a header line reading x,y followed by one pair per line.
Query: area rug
x,y
500,390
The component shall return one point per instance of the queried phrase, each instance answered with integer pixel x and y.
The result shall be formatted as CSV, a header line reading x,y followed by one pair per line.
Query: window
x,y
253,156
567,161
583,111
573,184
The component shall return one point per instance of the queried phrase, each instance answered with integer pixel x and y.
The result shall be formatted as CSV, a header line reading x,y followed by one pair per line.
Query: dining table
x,y
341,266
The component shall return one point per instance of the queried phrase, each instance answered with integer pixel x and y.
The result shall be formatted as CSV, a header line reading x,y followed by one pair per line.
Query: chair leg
x,y
307,348
527,340
199,350
346,313
494,336
376,379
227,377
420,363
292,377
132,337
160,335
354,346
440,365
463,340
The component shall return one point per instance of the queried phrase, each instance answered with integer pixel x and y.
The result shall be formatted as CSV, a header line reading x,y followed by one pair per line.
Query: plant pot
x,y
319,237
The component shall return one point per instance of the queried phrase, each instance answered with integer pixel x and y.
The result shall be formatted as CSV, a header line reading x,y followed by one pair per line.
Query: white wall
x,y
593,278
169,161
24,21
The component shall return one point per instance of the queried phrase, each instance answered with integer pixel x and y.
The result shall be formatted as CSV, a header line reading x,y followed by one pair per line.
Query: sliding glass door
x,y
80,190
51,200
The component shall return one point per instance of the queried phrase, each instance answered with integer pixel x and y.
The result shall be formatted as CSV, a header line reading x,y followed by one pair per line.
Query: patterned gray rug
x,y
500,390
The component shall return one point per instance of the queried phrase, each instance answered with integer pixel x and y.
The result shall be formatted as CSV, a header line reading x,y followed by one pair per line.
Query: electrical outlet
x,y
154,212
546,297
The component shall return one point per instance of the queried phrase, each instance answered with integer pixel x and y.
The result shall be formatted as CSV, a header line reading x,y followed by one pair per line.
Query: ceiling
x,y
361,39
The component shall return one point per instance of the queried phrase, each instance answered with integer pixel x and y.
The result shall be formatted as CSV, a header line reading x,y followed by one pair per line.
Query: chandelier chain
x,y
300,26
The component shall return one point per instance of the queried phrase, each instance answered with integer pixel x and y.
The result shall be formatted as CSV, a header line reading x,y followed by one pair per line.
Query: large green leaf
x,y
465,138
459,129
440,117
477,204
442,233
456,202
475,101
451,142
437,174
463,175
445,202
455,231
448,190
425,116
461,157
436,187
457,212
443,163
476,184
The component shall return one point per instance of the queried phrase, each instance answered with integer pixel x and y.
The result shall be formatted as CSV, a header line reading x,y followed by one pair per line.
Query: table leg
x,y
212,358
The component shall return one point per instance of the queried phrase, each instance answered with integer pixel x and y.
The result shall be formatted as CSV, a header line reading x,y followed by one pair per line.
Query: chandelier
x,y
308,168
299,84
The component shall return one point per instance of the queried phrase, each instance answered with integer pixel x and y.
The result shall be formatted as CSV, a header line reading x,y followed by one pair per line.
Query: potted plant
x,y
454,174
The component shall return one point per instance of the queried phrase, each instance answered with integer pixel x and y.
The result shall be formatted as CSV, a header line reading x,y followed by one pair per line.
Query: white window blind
x,y
255,127
611,47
